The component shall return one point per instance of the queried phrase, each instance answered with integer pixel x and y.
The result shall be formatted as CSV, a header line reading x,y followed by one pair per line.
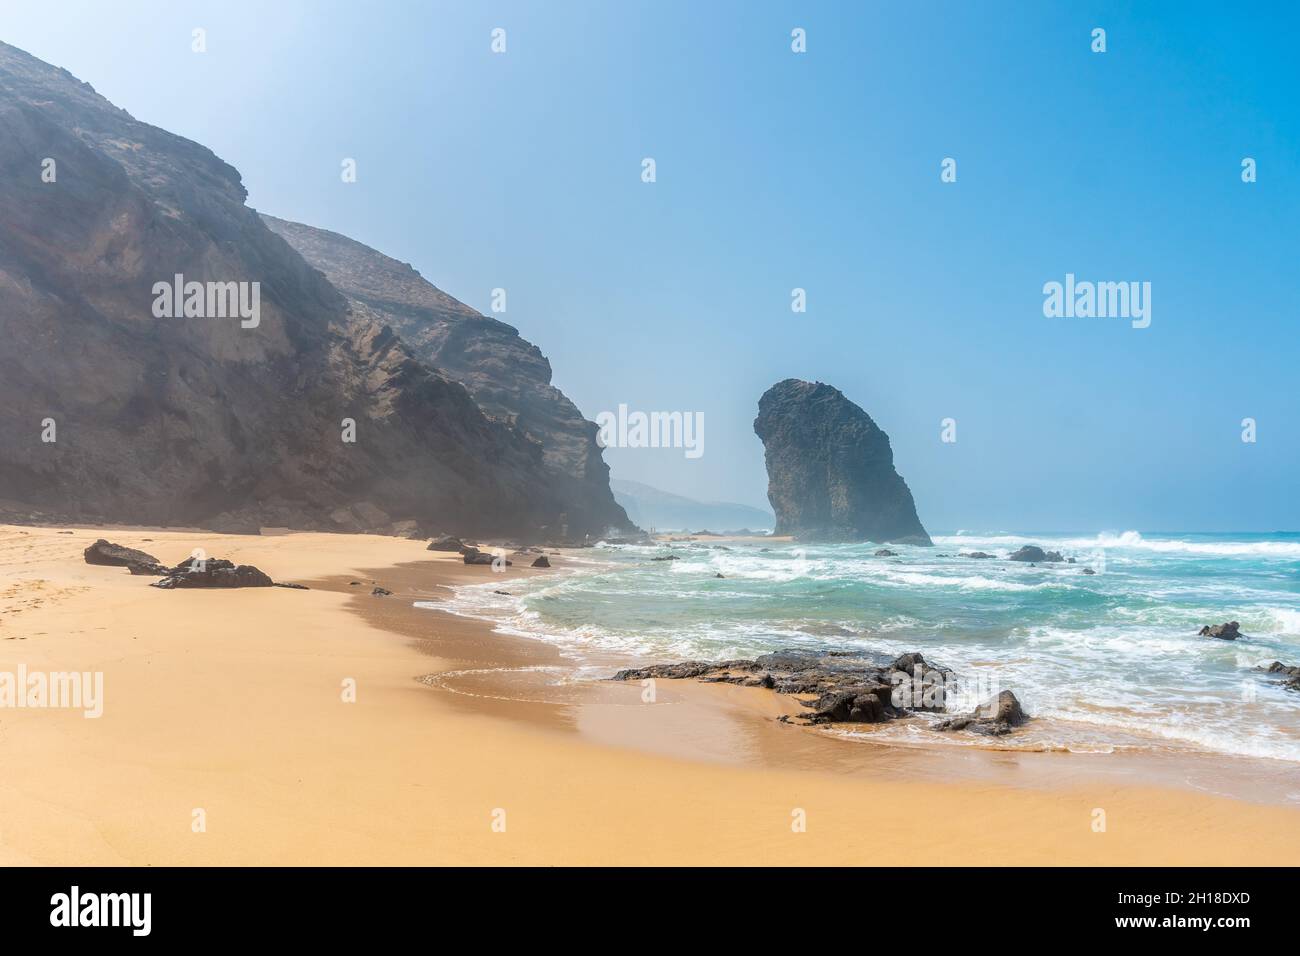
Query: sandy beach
x,y
228,707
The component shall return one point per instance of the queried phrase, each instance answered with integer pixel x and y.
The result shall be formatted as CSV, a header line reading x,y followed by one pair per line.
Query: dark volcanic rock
x,y
1290,676
830,469
845,686
982,555
200,420
115,555
445,543
886,553
214,573
1224,632
1035,554
380,592
483,557
685,670
866,705
995,718
542,562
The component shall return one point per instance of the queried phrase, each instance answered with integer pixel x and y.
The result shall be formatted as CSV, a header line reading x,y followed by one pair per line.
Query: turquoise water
x,y
1111,659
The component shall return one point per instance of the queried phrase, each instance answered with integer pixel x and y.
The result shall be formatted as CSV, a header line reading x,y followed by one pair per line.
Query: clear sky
x,y
819,170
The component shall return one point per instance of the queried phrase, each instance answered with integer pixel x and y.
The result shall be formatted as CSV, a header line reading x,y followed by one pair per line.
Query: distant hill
x,y
652,508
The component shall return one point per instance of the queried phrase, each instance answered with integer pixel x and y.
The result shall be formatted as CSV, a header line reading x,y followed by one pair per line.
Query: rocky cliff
x,y
108,411
508,376
830,469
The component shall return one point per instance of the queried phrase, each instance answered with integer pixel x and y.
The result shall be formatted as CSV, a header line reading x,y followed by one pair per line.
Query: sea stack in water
x,y
830,469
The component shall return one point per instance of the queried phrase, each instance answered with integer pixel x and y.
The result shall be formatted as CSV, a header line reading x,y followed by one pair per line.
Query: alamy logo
x,y
103,909
66,690
626,429
208,300
1102,300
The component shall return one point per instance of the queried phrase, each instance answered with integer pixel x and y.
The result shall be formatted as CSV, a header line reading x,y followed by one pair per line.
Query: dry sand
x,y
231,702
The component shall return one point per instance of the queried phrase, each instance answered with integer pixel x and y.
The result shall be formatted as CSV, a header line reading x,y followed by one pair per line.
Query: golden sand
x,y
227,707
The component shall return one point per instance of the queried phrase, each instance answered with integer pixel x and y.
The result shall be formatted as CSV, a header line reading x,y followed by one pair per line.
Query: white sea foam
x,y
1109,653
1286,619
1130,541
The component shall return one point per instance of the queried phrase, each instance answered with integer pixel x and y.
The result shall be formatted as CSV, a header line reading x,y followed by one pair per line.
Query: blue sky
x,y
819,170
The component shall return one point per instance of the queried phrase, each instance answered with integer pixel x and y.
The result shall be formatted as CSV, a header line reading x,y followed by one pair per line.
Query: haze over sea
x,y
1105,661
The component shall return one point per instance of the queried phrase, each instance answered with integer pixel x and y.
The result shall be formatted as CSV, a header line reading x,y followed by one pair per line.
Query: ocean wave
x,y
970,582
1129,541
1117,652
1285,619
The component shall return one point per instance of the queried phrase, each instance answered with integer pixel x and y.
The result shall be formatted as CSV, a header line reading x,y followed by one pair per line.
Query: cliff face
x,y
197,420
508,376
830,469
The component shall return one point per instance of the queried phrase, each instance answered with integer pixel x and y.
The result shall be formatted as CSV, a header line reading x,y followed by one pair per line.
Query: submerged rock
x,y
976,554
1290,676
1032,552
1224,632
886,553
830,468
994,718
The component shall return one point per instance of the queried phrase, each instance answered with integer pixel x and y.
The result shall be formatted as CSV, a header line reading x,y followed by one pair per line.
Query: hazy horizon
x,y
778,170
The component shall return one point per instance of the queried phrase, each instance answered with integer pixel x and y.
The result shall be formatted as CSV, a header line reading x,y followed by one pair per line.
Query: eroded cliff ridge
x,y
830,468
507,375
109,410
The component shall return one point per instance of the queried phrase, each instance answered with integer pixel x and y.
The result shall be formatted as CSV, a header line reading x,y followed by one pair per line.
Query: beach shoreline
x,y
461,747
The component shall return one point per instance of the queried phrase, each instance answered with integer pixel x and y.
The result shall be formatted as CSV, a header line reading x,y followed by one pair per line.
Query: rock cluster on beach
x,y
830,469
193,572
214,573
844,686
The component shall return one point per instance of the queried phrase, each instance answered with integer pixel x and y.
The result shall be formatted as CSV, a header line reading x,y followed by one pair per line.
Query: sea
x,y
1105,661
